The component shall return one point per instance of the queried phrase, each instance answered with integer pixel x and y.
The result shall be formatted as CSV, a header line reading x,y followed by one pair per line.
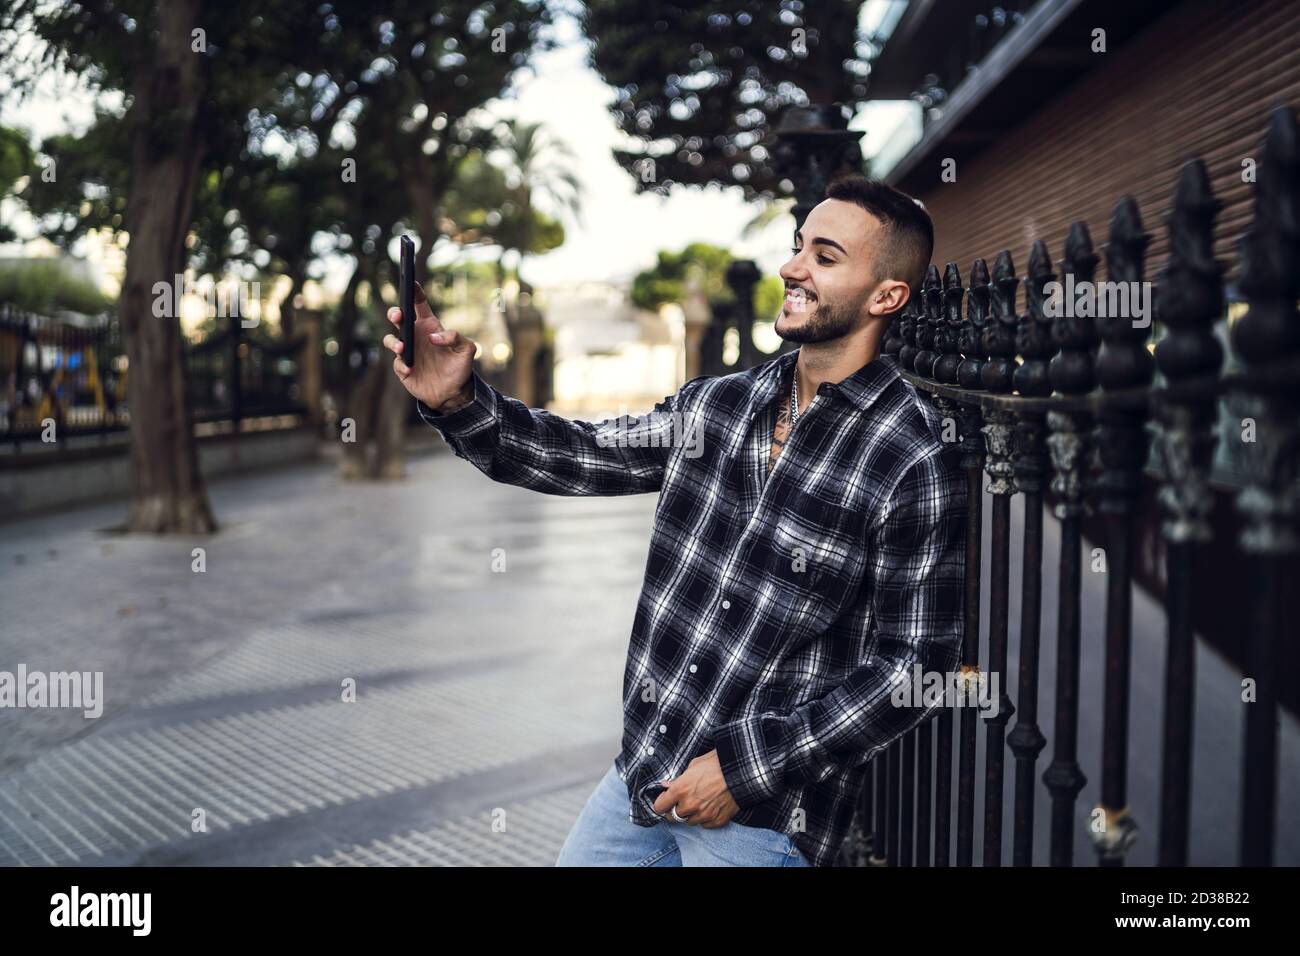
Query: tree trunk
x,y
363,406
356,401
390,428
167,146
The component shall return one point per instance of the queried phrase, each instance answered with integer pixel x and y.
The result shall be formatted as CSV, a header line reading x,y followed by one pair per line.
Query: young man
x,y
807,553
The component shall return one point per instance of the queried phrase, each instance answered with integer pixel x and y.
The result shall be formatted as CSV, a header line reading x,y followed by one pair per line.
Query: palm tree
x,y
536,163
772,211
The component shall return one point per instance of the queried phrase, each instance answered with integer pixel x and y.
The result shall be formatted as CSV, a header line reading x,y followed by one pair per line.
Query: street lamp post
x,y
814,145
741,276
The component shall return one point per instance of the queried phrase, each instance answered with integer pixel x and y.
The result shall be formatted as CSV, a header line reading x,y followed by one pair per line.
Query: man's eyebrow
x,y
829,242
798,236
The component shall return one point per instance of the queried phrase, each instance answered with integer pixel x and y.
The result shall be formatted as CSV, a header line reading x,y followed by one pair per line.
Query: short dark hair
x,y
908,233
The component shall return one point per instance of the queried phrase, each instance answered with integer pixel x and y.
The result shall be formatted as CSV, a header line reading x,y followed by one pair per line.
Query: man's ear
x,y
890,296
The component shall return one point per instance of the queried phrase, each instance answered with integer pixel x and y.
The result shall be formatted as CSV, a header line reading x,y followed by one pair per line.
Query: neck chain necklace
x,y
794,397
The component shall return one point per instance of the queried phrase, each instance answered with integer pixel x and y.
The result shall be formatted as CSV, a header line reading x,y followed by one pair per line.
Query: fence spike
x,y
927,324
947,337
1034,327
972,330
999,336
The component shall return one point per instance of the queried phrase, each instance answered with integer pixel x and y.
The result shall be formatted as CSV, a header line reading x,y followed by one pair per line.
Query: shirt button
x,y
650,750
726,605
663,728
692,668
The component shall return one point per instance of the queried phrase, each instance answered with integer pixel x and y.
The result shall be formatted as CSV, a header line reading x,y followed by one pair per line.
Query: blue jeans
x,y
604,836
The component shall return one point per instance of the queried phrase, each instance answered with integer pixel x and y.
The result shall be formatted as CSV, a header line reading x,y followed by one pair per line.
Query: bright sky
x,y
619,233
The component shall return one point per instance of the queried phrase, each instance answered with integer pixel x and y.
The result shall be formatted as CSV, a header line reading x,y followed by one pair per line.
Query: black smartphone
x,y
408,301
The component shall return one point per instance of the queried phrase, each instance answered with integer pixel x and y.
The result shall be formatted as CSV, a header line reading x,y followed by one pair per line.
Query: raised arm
x,y
530,447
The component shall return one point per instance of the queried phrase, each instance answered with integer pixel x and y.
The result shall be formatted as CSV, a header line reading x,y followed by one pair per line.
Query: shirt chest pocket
x,y
817,549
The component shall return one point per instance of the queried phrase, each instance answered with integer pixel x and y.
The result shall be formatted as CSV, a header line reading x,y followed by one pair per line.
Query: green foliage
x,y
15,163
545,234
699,263
472,280
15,158
702,85
48,286
292,89
91,178
705,267
525,162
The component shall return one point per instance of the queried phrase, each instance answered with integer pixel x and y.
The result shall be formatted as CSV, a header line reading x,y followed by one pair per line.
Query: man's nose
x,y
793,270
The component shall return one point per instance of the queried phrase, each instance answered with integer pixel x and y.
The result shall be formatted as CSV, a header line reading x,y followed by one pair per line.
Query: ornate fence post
x,y
1034,339
741,276
999,435
1070,374
1189,299
972,460
947,336
714,336
1267,338
1123,362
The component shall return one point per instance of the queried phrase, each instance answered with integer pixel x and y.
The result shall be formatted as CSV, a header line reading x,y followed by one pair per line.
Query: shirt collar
x,y
860,389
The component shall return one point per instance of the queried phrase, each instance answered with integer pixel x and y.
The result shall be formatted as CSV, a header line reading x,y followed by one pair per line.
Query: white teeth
x,y
798,299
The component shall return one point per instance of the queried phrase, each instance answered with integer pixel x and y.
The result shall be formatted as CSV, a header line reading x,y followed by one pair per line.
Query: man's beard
x,y
829,321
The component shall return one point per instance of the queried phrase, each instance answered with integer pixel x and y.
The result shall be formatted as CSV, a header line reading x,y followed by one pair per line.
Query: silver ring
x,y
676,817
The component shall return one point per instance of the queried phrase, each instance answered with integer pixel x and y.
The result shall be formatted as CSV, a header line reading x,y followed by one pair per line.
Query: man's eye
x,y
795,250
823,260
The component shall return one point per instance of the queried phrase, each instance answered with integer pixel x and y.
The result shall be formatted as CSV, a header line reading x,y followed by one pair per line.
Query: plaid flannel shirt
x,y
779,612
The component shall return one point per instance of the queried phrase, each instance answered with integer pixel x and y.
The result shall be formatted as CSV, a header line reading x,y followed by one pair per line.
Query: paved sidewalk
x,y
487,704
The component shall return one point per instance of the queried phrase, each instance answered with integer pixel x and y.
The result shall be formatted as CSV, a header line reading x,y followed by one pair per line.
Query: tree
x,y
701,86
700,265
15,163
215,90
537,163
427,74
189,71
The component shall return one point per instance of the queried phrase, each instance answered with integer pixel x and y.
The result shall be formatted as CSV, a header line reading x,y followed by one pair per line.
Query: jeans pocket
x,y
794,856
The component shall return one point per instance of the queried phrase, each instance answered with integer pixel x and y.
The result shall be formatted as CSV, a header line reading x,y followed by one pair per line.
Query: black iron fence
x,y
59,371
1068,403
235,375
61,378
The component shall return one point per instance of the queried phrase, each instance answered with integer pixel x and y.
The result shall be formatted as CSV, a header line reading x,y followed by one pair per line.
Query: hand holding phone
x,y
444,379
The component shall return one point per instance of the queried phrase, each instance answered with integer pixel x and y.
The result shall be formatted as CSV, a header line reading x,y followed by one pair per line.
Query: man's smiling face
x,y
831,275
